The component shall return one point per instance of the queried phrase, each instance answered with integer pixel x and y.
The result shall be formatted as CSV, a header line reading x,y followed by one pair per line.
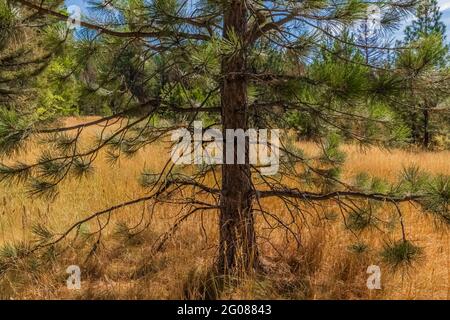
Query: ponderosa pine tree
x,y
372,40
234,64
426,25
24,55
21,56
427,21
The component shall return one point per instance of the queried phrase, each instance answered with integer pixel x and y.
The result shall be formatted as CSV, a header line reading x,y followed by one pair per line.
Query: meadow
x,y
118,265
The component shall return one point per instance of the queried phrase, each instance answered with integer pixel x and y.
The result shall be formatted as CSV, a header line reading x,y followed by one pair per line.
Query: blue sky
x,y
444,5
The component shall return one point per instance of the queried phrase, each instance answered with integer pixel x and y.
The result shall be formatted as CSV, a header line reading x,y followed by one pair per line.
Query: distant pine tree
x,y
426,25
218,68
427,22
21,57
372,42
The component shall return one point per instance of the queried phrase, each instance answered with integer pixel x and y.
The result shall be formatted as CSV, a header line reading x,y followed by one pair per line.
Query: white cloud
x,y
444,4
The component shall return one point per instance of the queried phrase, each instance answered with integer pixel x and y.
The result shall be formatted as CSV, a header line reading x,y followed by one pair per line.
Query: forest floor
x,y
125,267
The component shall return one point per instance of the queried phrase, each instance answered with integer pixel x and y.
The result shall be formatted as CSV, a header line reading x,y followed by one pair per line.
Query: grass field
x,y
125,267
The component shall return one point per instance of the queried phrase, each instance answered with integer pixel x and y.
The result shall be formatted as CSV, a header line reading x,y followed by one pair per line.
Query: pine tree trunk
x,y
426,130
237,247
415,125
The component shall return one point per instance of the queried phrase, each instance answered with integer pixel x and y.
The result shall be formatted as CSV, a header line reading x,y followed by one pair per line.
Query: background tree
x,y
214,64
427,21
26,50
22,56
373,40
426,30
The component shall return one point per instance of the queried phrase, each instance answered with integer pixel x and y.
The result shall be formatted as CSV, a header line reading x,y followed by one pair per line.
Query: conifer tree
x,y
427,21
372,39
233,64
427,25
20,56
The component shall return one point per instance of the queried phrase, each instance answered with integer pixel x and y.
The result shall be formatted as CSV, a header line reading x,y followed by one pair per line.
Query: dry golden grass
x,y
121,267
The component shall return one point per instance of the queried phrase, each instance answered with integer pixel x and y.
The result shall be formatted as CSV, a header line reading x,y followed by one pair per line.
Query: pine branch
x,y
111,32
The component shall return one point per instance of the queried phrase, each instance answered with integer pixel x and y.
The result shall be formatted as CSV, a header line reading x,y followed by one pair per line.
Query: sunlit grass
x,y
325,266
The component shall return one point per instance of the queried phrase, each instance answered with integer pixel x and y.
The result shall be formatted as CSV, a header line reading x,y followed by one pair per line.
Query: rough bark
x,y
415,127
426,129
237,246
